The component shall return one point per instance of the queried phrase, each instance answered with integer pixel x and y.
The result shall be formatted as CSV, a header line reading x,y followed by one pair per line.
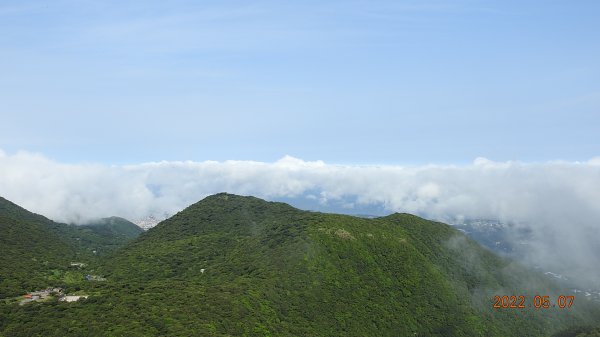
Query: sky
x,y
344,82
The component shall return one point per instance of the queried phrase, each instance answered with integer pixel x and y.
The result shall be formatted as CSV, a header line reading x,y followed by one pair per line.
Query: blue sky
x,y
350,82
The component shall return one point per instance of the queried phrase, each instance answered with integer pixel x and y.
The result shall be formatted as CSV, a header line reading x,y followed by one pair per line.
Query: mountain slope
x,y
232,266
29,249
36,252
108,234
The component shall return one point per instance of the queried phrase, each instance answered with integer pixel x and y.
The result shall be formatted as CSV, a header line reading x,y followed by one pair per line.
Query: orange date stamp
x,y
537,302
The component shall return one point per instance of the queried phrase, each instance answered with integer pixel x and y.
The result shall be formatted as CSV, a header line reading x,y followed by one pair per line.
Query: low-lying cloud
x,y
558,191
559,200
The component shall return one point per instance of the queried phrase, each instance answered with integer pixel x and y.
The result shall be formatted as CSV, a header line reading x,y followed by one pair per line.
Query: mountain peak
x,y
224,196
223,210
227,201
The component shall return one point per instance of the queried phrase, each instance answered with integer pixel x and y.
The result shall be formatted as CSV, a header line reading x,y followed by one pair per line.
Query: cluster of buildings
x,y
41,295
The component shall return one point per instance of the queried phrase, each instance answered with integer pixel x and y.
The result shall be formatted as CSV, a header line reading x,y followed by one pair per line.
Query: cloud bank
x,y
539,192
559,201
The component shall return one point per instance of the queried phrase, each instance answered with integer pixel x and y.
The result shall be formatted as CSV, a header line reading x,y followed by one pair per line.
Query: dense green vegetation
x,y
240,266
579,332
28,252
107,234
36,252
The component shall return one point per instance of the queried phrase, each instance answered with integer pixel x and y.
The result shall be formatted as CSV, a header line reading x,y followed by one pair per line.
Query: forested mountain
x,y
109,234
234,266
37,252
30,247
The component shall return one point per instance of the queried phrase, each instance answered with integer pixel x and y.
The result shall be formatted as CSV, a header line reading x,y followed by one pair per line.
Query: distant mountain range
x,y
502,238
231,265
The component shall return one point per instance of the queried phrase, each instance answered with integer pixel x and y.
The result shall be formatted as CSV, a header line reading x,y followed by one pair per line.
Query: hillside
x,y
30,248
240,266
108,234
37,252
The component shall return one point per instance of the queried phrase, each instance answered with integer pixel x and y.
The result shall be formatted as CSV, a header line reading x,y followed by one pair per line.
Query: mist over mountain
x,y
556,201
548,193
541,248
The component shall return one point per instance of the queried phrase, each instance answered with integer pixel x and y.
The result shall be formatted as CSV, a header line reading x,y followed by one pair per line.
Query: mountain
x,y
504,239
37,252
109,233
522,243
30,248
240,266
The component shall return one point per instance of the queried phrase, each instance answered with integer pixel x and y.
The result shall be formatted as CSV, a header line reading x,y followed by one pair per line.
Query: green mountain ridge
x,y
231,265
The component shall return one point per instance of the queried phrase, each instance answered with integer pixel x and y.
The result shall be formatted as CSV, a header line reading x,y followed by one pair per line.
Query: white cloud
x,y
561,200
485,189
594,161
